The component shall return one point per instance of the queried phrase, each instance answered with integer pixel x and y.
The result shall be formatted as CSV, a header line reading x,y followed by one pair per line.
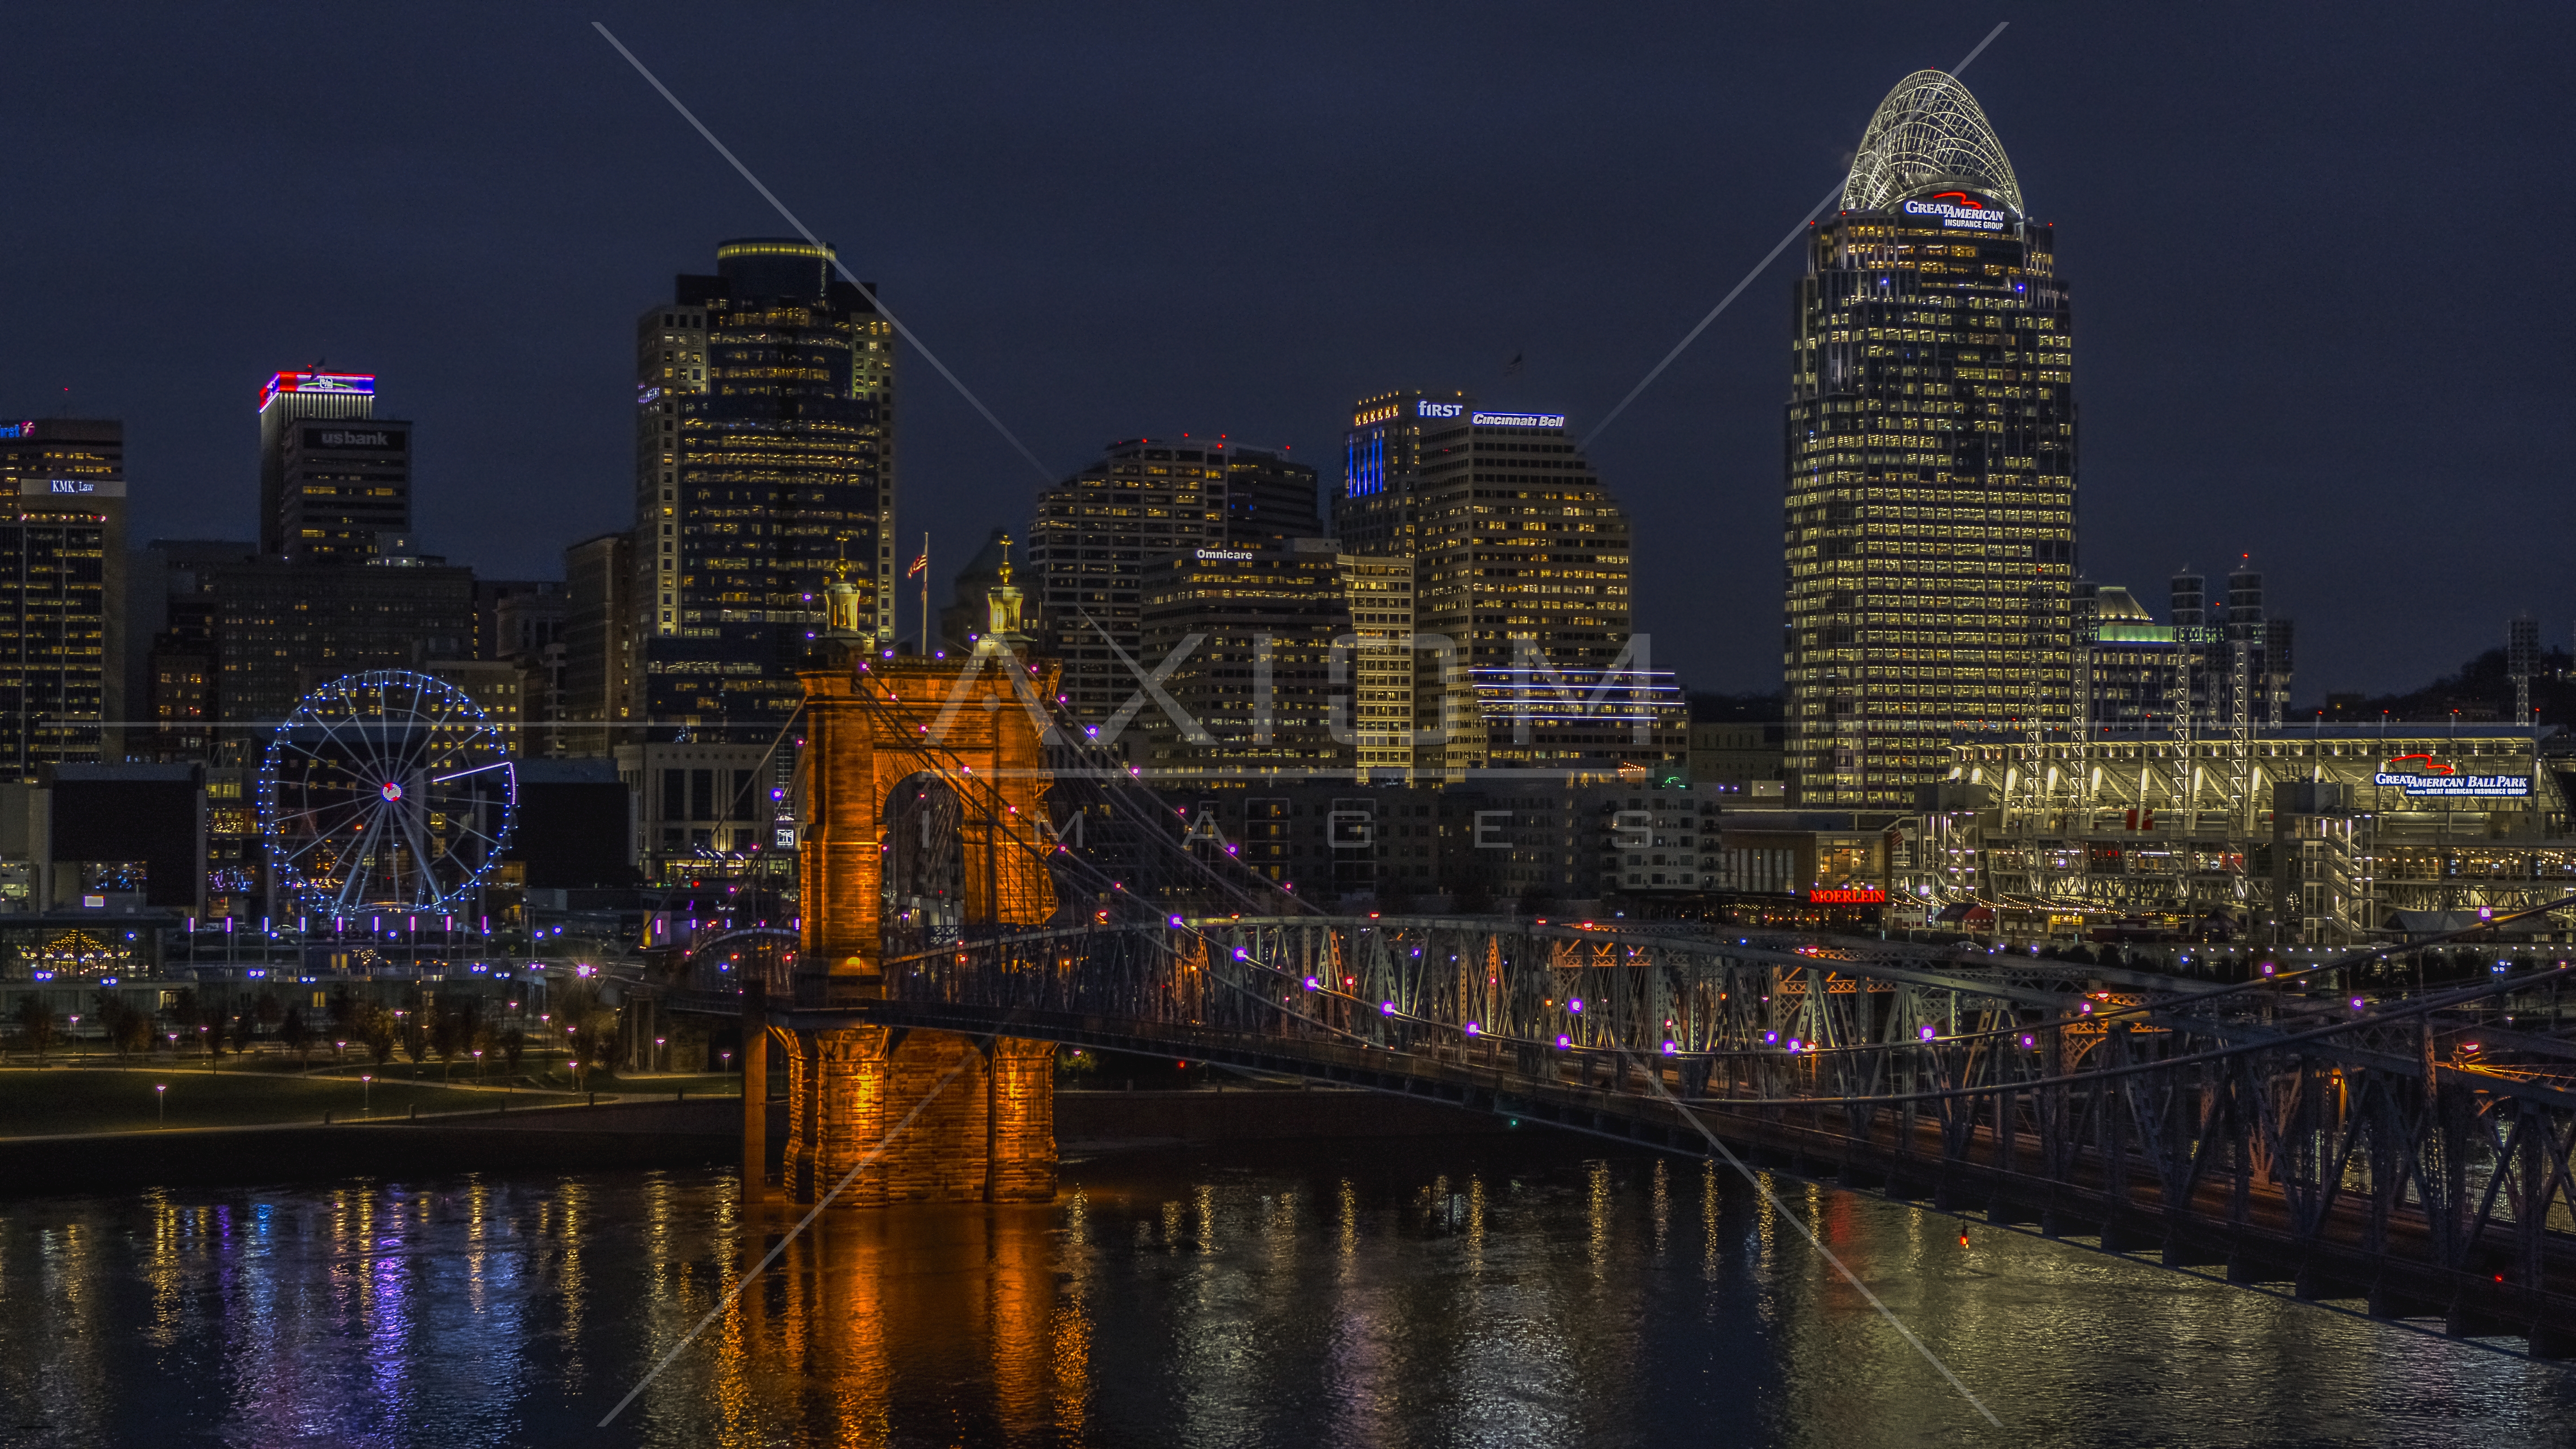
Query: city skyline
x,y
2319,456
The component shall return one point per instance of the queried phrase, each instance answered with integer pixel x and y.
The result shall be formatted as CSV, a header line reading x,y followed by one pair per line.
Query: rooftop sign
x,y
348,384
2422,775
1959,211
1520,420
1846,896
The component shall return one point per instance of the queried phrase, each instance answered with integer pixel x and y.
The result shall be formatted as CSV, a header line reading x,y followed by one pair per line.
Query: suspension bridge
x,y
2351,1130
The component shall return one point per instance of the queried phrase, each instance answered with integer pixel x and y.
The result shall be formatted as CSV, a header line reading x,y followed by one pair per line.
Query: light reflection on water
x,y
1490,1291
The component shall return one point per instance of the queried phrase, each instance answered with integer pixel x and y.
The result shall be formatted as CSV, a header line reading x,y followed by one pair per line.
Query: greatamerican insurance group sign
x,y
2423,775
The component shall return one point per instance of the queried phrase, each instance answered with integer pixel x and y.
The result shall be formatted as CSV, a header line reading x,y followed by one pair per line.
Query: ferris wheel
x,y
385,791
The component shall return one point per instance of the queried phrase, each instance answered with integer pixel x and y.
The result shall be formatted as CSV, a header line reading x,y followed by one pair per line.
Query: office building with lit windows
x,y
334,479
1147,501
1373,675
62,593
1522,656
1930,432
764,468
1376,511
1253,628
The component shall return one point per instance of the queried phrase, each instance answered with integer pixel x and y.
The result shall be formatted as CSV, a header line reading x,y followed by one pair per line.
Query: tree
x,y
268,1008
415,1037
513,1043
375,1028
126,1029
344,1008
183,1015
296,1034
35,1024
449,1030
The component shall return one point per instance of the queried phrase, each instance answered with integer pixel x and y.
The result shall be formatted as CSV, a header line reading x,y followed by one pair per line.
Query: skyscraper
x,y
1146,500
1376,696
2235,665
599,644
1523,658
1252,628
1930,528
62,593
334,479
1374,513
764,469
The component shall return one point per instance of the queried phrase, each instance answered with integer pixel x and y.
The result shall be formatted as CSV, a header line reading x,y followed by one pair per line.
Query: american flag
x,y
919,567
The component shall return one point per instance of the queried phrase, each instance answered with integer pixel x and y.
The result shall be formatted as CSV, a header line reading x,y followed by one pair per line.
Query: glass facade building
x,y
1931,459
1096,534
62,593
1522,656
764,453
334,479
1253,630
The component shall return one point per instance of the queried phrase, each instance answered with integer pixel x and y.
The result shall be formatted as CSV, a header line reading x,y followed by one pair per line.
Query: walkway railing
x,y
2411,1149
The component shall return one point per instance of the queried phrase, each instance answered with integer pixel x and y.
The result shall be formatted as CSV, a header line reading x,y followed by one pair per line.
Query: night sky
x,y
2322,312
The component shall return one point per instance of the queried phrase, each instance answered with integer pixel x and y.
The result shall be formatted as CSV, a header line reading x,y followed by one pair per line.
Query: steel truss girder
x,y
2166,1110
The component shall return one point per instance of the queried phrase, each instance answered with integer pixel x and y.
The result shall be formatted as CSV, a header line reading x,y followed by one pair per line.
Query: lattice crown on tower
x,y
1928,131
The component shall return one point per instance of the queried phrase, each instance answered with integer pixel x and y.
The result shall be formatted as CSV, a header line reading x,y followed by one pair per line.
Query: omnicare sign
x,y
1958,210
2424,775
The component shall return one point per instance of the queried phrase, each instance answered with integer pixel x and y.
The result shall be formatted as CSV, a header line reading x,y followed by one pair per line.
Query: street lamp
x,y
366,1094
661,1063
161,1100
478,1063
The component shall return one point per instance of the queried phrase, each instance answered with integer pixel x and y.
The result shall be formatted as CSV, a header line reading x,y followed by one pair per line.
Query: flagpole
x,y
925,593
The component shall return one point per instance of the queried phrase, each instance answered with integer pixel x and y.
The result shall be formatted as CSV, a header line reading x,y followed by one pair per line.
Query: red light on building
x,y
1850,896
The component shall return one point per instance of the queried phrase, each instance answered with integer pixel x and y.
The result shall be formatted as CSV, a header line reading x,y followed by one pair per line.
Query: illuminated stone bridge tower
x,y
924,817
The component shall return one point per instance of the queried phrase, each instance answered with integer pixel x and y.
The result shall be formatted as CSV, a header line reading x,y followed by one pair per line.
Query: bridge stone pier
x,y
924,818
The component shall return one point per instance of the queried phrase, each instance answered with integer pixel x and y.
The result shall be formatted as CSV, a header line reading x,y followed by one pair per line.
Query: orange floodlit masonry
x,y
874,792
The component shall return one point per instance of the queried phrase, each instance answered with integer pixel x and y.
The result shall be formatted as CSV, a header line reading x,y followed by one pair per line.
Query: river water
x,y
1519,1289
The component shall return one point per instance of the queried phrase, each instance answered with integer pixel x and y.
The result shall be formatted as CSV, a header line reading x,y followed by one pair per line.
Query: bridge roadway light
x,y
1471,1029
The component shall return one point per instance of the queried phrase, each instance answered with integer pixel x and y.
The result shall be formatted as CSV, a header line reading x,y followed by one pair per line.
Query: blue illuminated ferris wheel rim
x,y
385,791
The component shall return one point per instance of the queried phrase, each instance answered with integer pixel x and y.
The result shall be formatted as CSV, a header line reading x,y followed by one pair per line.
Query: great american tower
x,y
1930,439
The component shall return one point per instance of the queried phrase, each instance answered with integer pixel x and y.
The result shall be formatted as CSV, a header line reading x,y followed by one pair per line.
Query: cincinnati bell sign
x,y
2423,775
1958,211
